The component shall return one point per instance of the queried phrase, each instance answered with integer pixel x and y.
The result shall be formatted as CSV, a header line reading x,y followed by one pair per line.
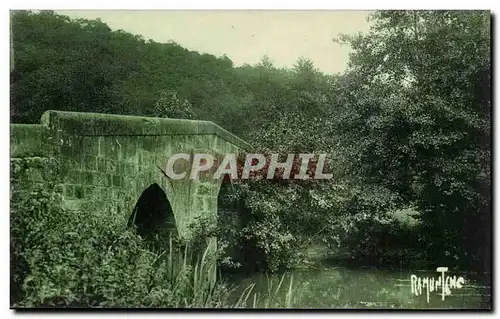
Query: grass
x,y
196,281
193,283
198,285
273,298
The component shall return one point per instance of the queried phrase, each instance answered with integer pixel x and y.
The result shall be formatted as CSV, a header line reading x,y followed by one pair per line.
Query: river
x,y
347,287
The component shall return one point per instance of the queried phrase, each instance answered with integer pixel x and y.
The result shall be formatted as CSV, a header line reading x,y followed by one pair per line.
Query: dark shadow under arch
x,y
152,213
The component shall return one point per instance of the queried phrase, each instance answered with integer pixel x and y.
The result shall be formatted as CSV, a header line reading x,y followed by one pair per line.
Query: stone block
x,y
146,143
109,180
78,191
90,146
90,163
90,191
28,140
73,177
111,148
101,164
87,178
111,166
130,169
99,179
117,180
69,191
129,183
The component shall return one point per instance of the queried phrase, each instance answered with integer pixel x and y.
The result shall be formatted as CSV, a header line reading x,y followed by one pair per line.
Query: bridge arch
x,y
152,213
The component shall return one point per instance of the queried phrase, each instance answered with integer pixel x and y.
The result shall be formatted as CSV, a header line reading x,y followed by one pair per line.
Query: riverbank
x,y
328,283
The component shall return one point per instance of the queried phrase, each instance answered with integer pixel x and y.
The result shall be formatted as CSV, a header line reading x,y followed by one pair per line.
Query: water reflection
x,y
343,287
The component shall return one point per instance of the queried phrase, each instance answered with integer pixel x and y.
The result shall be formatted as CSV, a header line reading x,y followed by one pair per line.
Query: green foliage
x,y
252,233
170,106
419,123
66,258
81,65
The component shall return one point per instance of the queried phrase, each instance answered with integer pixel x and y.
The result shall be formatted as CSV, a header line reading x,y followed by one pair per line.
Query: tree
x,y
266,62
170,106
416,120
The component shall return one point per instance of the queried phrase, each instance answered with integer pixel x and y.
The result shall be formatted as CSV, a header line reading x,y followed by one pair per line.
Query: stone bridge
x,y
103,158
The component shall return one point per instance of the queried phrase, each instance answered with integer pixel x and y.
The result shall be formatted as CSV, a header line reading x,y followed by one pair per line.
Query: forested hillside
x,y
406,127
82,65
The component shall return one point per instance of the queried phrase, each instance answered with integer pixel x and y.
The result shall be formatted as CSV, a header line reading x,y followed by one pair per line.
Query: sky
x,y
246,36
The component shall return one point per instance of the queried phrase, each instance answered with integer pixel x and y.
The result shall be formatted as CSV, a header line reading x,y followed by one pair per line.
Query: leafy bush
x,y
261,234
170,106
68,258
367,222
364,221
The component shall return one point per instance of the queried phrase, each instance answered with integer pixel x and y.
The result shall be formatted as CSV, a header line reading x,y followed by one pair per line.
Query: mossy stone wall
x,y
114,158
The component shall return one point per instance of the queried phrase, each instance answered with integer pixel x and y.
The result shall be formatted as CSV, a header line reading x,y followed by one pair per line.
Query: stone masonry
x,y
114,158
